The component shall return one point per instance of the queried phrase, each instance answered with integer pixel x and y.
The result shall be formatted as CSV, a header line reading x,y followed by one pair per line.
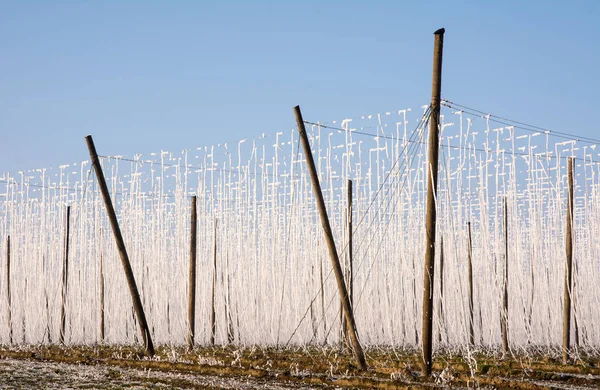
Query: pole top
x,y
441,31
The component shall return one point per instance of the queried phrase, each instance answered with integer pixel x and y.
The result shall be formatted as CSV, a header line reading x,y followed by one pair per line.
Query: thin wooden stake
x,y
441,324
568,268
8,295
227,299
432,179
335,260
102,325
213,314
65,279
23,323
343,325
112,216
350,249
349,265
323,301
192,277
504,317
344,338
470,280
313,317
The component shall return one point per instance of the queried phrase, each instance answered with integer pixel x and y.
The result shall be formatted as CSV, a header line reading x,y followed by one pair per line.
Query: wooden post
x,y
227,298
350,253
432,179
8,295
213,314
112,216
344,339
47,304
343,336
65,279
470,281
568,267
192,280
504,317
335,261
441,324
101,299
23,327
349,265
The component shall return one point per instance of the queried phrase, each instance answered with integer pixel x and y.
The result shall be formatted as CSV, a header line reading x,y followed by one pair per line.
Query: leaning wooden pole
x,y
335,260
8,295
568,267
112,216
432,179
504,318
470,280
65,280
192,277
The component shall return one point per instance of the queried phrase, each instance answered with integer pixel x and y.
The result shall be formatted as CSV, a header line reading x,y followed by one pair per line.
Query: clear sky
x,y
145,76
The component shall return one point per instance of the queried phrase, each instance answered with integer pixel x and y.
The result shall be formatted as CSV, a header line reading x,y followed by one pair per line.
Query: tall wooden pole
x,y
8,295
65,279
213,314
192,280
335,261
470,280
504,317
568,267
112,216
432,179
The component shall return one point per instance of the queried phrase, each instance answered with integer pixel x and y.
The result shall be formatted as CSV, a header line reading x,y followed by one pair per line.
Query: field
x,y
264,280
231,367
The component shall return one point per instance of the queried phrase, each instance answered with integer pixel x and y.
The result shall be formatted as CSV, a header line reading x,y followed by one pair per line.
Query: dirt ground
x,y
108,367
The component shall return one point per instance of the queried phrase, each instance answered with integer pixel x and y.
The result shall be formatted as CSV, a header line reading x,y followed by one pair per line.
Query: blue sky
x,y
145,76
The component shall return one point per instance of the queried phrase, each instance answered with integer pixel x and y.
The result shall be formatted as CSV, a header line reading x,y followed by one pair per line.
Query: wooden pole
x,y
345,339
335,261
65,279
23,324
102,326
323,301
350,253
47,305
112,216
192,280
470,280
432,179
213,314
349,266
227,298
8,295
568,267
504,317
